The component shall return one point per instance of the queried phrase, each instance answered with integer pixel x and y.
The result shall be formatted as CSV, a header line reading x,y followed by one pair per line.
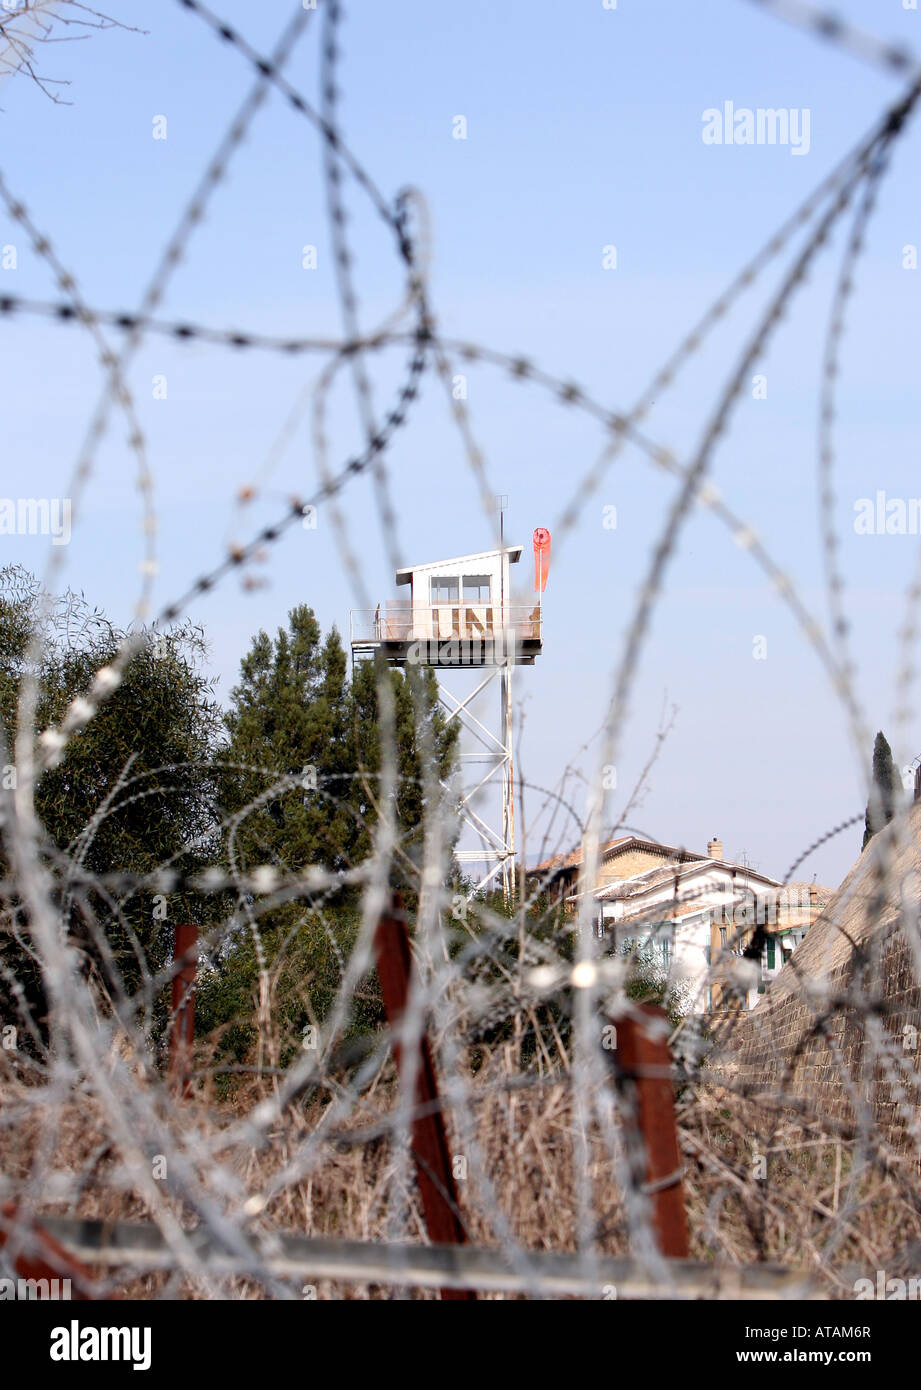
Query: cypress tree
x,y
883,799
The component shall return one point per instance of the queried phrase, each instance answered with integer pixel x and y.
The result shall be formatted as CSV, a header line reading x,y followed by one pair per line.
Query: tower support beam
x,y
497,845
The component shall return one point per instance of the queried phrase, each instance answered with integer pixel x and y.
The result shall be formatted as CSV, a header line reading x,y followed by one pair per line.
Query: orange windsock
x,y
541,540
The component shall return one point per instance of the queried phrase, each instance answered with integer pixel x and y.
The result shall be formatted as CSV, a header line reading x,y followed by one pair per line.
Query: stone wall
x,y
838,1029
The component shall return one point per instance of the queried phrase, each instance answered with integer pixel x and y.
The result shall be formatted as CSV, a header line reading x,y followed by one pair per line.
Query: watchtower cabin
x,y
459,612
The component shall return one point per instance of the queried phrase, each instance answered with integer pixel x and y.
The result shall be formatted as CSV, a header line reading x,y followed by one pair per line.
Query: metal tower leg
x,y
508,786
497,845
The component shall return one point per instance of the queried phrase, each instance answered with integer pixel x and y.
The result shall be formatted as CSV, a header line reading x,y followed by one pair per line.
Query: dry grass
x,y
814,1207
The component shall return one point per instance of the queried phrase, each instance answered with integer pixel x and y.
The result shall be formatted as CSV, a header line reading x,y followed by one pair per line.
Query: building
x,y
618,859
698,915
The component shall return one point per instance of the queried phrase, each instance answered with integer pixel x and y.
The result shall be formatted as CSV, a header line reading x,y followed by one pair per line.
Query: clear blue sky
x,y
584,130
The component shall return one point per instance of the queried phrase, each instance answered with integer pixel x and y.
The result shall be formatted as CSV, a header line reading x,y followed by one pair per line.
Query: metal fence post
x,y
434,1172
643,1068
50,1262
182,1026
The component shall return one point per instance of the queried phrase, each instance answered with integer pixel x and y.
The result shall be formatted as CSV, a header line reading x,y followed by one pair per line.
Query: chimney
x,y
714,848
813,895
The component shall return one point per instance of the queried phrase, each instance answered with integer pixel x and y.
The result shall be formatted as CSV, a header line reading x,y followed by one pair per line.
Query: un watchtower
x,y
460,615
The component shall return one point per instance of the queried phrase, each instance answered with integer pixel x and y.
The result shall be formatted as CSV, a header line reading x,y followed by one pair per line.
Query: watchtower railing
x,y
402,621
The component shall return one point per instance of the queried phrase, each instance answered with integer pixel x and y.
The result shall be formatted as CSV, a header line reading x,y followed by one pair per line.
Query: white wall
x,y
689,946
425,619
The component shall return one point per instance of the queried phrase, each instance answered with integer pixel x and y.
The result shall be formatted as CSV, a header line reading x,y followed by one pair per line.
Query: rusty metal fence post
x,y
429,1141
645,1078
182,1026
50,1262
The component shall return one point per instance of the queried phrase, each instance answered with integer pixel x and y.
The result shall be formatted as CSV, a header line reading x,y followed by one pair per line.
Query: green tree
x,y
289,717
295,715
648,979
498,940
884,792
299,786
423,740
132,790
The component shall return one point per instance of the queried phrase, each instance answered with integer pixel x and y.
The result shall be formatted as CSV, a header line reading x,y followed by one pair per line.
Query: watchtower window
x,y
476,588
445,588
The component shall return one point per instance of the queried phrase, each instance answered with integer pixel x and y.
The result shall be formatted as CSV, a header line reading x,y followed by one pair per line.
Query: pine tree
x,y
884,792
289,717
295,714
300,786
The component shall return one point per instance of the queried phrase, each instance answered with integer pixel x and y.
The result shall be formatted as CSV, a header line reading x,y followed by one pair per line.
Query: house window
x,y
722,936
771,953
476,588
666,951
445,588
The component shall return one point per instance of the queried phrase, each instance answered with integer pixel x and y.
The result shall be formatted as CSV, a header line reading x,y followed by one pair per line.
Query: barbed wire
x,y
832,29
516,995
